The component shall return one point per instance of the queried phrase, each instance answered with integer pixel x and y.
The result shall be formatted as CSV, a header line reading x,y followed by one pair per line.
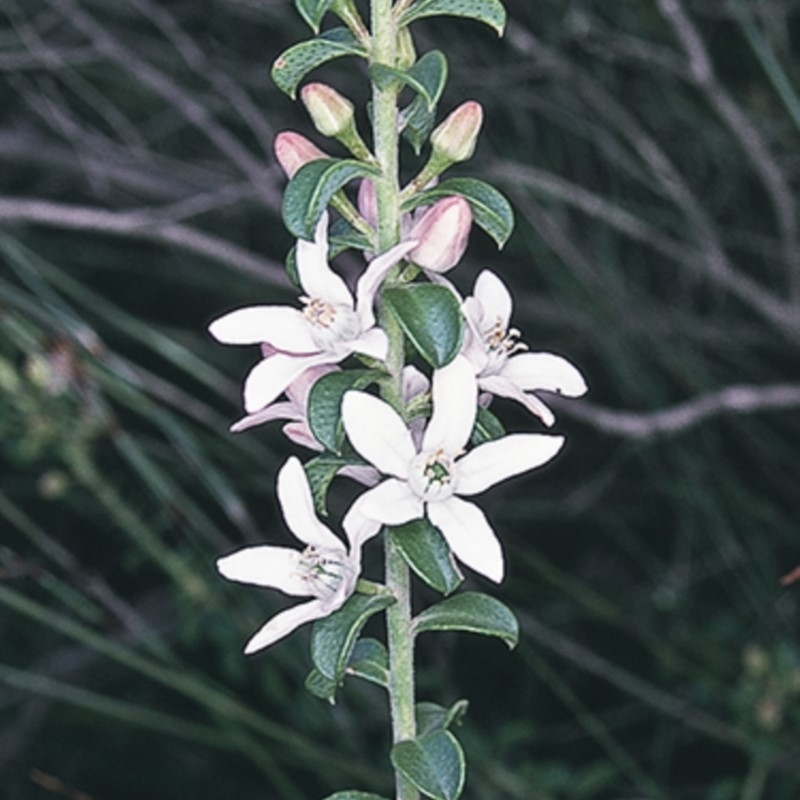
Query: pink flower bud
x,y
368,202
292,150
456,137
331,113
442,233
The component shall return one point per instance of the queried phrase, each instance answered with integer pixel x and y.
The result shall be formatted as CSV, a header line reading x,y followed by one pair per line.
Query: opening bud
x,y
292,151
442,232
455,139
331,113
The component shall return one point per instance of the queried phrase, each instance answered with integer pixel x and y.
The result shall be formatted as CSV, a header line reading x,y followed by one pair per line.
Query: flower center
x,y
323,570
432,475
500,344
330,322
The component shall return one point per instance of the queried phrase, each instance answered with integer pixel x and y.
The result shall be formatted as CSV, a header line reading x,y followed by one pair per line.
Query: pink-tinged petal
x,y
494,297
503,387
283,327
284,623
454,393
297,505
275,411
495,461
391,502
546,372
269,378
365,475
359,529
471,538
264,565
368,202
316,277
369,283
298,390
300,433
378,433
415,383
373,343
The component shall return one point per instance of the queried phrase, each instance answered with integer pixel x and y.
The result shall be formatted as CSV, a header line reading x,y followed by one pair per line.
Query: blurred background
x,y
650,148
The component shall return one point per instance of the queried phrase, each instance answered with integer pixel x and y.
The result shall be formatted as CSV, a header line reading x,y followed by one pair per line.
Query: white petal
x,y
316,277
275,411
300,433
284,623
297,505
469,535
391,503
281,326
273,567
359,528
369,283
503,387
454,394
495,461
494,298
373,343
378,433
545,371
270,377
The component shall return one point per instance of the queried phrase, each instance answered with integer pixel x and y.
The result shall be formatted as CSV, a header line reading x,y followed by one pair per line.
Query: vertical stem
x,y
387,190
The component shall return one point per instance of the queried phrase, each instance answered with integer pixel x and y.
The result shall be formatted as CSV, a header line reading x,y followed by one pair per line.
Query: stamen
x,y
323,571
319,312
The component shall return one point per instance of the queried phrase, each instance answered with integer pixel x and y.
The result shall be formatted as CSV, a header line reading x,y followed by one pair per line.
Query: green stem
x,y
400,638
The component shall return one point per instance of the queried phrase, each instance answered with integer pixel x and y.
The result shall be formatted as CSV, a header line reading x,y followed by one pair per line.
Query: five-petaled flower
x,y
332,324
500,361
325,569
433,479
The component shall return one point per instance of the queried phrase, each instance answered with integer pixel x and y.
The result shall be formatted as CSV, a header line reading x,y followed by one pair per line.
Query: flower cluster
x,y
416,459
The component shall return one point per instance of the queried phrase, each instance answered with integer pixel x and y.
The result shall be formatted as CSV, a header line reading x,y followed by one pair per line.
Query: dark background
x,y
650,148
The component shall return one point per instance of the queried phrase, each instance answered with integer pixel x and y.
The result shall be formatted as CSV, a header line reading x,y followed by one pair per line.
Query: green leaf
x,y
343,236
311,188
434,763
473,612
416,123
428,554
333,637
351,795
490,12
433,717
427,77
312,11
320,472
320,686
370,661
487,427
430,317
491,209
325,404
295,63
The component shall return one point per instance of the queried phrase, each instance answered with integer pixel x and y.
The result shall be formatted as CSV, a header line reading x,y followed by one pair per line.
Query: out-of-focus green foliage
x,y
650,150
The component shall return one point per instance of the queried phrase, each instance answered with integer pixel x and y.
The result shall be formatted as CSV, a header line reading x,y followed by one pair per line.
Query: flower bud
x,y
292,151
442,232
406,52
454,140
331,113
368,202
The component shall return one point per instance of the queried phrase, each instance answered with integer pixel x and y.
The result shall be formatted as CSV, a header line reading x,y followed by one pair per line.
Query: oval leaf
x,y
434,763
491,209
433,717
487,427
321,471
312,11
490,12
430,317
350,795
416,122
333,637
428,554
310,190
370,661
320,686
295,63
325,404
473,612
427,77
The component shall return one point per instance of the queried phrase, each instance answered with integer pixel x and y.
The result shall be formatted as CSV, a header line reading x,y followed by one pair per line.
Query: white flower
x,y
433,478
498,358
325,569
332,324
